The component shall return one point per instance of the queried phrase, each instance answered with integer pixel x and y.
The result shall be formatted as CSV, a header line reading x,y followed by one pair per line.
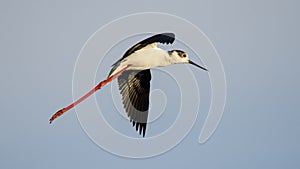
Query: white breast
x,y
148,58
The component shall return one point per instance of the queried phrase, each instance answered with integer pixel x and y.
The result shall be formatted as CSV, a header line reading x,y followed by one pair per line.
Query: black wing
x,y
134,86
161,38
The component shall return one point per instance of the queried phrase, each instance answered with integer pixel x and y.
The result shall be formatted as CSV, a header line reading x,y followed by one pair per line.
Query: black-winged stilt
x,y
133,73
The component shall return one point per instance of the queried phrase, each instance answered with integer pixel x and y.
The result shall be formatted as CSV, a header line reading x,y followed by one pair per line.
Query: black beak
x,y
190,62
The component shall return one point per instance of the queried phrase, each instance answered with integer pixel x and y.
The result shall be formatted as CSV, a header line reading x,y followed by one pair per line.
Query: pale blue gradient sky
x,y
258,42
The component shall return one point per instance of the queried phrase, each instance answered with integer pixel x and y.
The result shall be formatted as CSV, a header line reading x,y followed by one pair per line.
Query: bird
x,y
133,75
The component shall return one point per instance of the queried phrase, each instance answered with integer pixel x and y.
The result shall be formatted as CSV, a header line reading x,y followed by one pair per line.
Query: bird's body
x,y
149,57
134,76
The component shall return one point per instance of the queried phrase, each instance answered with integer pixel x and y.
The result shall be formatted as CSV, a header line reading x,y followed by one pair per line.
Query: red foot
x,y
57,114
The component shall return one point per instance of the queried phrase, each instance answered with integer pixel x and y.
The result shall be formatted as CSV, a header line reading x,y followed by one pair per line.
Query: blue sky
x,y
258,42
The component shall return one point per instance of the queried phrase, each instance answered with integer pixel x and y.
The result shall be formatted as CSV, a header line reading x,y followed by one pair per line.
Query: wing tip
x,y
169,34
170,37
139,127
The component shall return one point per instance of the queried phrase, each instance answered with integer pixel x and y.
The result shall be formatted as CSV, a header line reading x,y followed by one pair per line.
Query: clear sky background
x,y
258,42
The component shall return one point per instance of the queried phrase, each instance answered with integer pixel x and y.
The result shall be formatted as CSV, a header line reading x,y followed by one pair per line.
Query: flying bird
x,y
134,76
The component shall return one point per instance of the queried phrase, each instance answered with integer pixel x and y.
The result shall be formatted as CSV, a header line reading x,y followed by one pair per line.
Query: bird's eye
x,y
183,55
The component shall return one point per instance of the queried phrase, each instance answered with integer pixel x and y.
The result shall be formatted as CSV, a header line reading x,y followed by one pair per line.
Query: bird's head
x,y
178,56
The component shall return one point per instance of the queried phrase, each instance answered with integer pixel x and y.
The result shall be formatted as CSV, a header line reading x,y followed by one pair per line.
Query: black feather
x,y
134,86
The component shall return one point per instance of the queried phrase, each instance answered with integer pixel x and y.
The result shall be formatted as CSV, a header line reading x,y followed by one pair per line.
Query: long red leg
x,y
99,86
